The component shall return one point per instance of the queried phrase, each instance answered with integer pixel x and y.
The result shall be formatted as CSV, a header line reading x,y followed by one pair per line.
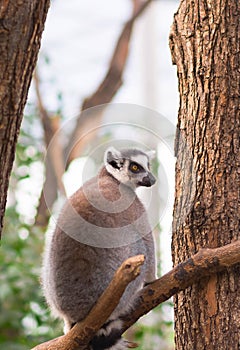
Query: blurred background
x,y
89,56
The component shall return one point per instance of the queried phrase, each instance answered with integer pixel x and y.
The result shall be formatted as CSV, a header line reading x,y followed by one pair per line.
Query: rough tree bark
x,y
205,47
21,26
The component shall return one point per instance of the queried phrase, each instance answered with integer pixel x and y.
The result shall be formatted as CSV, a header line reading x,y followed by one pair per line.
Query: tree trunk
x,y
205,47
21,26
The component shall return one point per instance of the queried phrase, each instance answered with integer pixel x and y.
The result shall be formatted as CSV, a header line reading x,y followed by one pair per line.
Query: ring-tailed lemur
x,y
100,226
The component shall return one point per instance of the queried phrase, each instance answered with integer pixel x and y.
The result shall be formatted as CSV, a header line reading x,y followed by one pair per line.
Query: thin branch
x,y
113,79
54,164
48,195
203,264
81,334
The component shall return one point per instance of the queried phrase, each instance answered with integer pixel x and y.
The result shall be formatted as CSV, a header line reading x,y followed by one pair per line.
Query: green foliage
x,y
24,317
154,331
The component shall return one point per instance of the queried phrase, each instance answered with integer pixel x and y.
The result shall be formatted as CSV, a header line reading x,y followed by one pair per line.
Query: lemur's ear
x,y
151,154
112,157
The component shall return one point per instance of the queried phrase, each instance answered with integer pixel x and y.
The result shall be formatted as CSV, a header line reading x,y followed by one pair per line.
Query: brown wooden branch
x,y
106,90
113,79
203,264
50,190
81,334
54,165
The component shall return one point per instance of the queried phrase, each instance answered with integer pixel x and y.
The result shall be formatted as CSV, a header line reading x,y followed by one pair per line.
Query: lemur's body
x,y
100,226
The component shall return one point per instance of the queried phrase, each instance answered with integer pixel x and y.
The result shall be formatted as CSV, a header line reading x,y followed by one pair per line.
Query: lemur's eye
x,y
135,168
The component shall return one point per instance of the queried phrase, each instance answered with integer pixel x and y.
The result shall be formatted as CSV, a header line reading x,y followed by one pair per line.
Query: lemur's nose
x,y
151,179
148,180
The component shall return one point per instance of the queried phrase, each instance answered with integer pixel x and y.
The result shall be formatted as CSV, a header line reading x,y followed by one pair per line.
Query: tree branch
x,y
203,264
113,79
54,164
107,88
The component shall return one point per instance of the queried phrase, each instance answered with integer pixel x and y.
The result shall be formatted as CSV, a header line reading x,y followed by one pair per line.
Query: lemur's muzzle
x,y
148,180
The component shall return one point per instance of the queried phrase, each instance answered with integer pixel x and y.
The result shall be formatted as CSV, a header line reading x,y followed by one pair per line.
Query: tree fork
x,y
203,264
81,334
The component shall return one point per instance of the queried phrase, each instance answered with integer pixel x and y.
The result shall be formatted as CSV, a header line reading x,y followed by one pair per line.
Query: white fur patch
x,y
114,324
142,160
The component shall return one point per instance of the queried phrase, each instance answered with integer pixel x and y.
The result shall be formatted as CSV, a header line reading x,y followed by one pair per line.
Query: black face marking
x,y
114,164
136,168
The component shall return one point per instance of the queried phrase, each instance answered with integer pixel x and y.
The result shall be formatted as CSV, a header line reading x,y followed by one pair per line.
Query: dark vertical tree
x,y
21,27
204,40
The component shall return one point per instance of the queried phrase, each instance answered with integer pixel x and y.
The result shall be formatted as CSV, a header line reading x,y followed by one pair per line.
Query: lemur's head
x,y
130,167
